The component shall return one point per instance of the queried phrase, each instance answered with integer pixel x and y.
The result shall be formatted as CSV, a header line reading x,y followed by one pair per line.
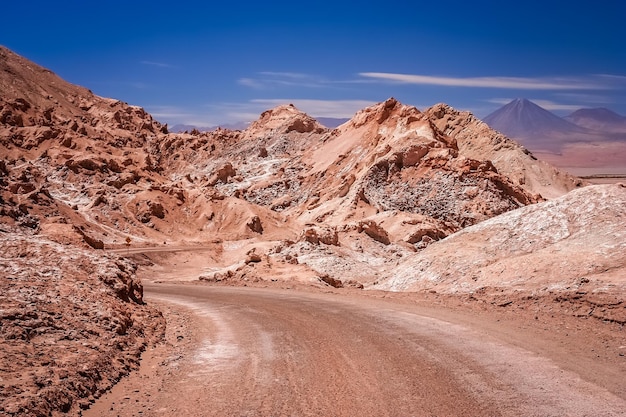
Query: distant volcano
x,y
534,126
523,118
598,119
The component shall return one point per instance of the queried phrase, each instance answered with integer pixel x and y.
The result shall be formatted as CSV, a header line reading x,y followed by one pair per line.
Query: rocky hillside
x,y
72,323
82,168
477,140
554,245
94,171
387,180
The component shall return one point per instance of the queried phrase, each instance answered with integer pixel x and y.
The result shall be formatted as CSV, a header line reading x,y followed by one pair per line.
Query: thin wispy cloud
x,y
267,80
157,64
515,83
621,79
252,83
293,75
589,99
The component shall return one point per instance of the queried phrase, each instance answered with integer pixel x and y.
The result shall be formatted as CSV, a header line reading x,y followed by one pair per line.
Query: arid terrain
x,y
406,262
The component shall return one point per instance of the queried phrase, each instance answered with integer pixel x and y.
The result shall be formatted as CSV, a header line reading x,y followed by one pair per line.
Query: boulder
x,y
255,225
373,230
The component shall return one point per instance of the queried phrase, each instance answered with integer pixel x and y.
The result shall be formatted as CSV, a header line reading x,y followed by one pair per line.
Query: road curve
x,y
280,353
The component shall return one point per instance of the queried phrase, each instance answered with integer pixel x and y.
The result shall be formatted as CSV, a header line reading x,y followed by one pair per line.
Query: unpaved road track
x,y
264,352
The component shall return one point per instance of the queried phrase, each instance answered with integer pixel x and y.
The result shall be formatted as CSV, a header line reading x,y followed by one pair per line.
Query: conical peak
x,y
383,111
523,103
281,109
281,112
523,119
285,117
440,110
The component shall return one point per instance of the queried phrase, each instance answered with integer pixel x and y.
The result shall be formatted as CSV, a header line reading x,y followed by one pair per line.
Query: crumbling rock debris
x,y
317,235
156,209
253,257
425,235
222,174
350,283
83,313
217,276
331,281
149,209
123,179
94,243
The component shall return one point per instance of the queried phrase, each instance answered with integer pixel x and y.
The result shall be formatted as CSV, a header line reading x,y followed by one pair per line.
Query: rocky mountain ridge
x,y
392,173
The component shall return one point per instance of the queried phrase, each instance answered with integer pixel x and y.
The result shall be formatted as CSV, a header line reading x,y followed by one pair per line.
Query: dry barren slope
x,y
576,243
72,323
477,140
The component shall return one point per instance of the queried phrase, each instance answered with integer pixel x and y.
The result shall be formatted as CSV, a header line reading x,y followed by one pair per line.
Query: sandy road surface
x,y
266,352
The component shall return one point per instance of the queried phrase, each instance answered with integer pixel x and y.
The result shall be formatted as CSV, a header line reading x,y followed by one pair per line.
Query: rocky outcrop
x,y
562,244
255,225
373,230
83,314
253,257
477,140
222,174
283,119
317,235
94,243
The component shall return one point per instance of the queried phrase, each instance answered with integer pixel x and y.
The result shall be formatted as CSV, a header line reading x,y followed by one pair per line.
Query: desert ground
x,y
291,349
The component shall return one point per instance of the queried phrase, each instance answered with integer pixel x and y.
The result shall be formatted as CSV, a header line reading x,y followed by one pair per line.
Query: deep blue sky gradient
x,y
204,64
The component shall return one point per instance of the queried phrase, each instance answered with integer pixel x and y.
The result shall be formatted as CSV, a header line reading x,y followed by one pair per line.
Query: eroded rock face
x,y
83,314
222,174
373,230
255,225
586,229
317,235
477,140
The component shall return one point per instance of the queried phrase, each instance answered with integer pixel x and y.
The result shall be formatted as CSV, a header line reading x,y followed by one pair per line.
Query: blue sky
x,y
206,64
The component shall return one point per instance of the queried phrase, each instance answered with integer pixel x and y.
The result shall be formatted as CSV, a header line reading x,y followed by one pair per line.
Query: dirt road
x,y
267,352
